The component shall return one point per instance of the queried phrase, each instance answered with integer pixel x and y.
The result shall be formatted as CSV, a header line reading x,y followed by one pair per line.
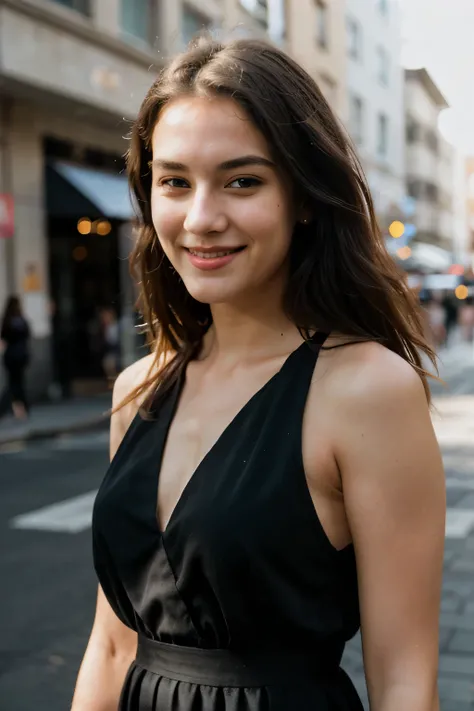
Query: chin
x,y
213,293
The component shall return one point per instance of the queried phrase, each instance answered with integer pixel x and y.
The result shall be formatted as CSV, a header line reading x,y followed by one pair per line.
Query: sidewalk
x,y
50,419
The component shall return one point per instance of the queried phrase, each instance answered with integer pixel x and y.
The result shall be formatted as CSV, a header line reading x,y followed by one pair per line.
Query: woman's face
x,y
221,209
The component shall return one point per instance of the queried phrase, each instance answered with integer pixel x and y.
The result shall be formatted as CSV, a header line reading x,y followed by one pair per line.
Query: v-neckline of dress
x,y
171,412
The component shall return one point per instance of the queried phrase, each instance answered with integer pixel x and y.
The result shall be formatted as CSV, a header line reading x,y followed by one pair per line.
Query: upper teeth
x,y
211,255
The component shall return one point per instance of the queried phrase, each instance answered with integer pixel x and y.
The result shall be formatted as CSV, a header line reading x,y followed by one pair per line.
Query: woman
x,y
15,335
264,489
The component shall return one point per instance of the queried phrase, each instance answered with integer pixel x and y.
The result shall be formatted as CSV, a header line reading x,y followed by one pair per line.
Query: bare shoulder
x,y
368,375
131,378
378,418
128,380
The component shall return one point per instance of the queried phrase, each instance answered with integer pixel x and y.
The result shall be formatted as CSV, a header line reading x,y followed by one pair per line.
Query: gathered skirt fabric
x,y
146,691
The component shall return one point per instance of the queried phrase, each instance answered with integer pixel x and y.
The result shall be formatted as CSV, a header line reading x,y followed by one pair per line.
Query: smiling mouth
x,y
214,255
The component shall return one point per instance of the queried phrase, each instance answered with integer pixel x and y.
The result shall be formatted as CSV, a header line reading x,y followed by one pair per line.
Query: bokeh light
x,y
462,292
84,226
404,252
397,229
103,227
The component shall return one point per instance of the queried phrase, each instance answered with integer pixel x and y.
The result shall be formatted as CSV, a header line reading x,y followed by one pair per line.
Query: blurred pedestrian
x,y
466,319
275,473
437,320
450,305
15,336
110,339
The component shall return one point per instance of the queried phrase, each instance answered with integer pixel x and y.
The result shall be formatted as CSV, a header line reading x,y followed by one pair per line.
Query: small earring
x,y
305,221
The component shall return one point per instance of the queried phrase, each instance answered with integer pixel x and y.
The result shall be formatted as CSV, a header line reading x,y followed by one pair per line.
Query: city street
x,y
48,584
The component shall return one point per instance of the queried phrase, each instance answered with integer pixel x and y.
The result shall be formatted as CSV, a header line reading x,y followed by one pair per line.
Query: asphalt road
x,y
47,593
48,583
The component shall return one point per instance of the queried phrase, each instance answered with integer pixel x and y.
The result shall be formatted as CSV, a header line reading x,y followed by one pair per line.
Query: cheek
x,y
269,221
167,220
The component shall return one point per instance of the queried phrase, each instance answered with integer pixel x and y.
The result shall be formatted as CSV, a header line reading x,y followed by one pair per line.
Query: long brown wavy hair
x,y
341,276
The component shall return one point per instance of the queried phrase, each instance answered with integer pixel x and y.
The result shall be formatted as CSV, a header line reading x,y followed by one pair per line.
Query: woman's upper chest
x,y
206,414
221,426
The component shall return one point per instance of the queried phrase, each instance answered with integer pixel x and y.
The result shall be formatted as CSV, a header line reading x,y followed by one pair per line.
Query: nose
x,y
204,214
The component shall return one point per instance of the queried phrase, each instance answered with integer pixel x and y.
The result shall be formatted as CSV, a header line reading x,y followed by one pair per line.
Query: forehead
x,y
205,128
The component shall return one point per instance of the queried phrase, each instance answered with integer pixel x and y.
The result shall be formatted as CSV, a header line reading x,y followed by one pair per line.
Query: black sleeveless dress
x,y
242,603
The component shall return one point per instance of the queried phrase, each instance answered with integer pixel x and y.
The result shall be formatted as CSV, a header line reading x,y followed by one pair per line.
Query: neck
x,y
256,325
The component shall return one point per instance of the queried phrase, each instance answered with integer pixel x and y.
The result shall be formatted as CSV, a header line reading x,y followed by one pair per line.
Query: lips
x,y
212,258
216,253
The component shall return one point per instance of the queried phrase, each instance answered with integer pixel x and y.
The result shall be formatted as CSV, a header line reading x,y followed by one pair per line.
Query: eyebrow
x,y
241,162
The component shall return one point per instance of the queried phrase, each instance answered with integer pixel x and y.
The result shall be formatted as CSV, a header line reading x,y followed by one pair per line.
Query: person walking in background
x,y
466,320
15,336
110,340
450,304
437,320
276,479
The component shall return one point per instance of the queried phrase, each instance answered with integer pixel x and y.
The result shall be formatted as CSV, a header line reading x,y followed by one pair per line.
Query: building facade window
x,y
322,24
431,140
383,66
413,188
354,39
82,6
382,135
383,6
193,23
431,192
356,118
413,131
424,190
137,19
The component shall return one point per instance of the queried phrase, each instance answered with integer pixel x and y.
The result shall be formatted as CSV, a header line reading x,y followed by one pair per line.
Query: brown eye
x,y
175,183
245,183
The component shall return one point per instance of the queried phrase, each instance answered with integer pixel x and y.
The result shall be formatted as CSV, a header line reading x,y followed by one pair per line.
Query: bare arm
x,y
111,650
394,494
112,645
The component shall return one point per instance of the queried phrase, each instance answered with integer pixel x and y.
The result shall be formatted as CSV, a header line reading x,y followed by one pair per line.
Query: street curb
x,y
101,422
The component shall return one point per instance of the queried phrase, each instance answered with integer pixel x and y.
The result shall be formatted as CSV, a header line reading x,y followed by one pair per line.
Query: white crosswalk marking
x,y
459,523
70,516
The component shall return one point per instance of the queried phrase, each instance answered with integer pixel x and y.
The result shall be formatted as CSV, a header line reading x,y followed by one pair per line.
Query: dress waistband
x,y
225,667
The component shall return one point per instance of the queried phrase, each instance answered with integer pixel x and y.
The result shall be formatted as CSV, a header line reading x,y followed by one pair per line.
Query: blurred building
x,y
430,173
315,38
72,74
375,82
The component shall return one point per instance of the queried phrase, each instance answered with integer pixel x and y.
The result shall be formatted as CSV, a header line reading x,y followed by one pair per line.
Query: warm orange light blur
x,y
404,252
84,226
456,269
461,291
103,227
397,229
79,253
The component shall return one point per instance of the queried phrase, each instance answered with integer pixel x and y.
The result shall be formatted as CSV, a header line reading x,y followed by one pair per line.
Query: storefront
x,y
89,211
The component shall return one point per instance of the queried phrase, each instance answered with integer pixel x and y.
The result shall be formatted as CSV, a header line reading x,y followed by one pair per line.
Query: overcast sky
x,y
439,34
